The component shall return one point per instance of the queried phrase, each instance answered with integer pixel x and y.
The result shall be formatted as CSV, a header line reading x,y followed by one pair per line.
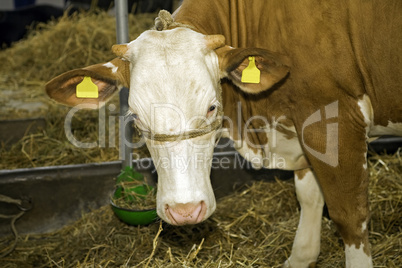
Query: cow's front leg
x,y
306,245
334,140
347,203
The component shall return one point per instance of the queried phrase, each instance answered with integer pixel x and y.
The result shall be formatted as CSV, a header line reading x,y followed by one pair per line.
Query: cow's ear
x,y
273,67
108,77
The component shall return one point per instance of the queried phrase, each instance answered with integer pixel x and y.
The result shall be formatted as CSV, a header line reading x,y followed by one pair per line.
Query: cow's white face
x,y
175,88
174,79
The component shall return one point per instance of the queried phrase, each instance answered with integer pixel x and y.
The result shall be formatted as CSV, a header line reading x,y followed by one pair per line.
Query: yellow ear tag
x,y
251,74
87,89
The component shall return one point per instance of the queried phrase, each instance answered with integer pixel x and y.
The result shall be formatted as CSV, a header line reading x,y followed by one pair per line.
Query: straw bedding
x,y
253,227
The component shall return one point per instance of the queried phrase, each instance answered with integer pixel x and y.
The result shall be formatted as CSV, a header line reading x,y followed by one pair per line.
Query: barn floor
x,y
253,227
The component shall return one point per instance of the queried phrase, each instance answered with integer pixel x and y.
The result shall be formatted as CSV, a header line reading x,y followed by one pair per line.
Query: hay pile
x,y
254,227
50,49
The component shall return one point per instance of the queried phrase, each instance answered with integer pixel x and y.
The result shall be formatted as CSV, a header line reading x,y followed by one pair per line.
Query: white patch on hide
x,y
367,111
365,161
111,66
255,158
364,226
285,148
376,130
391,129
357,258
281,151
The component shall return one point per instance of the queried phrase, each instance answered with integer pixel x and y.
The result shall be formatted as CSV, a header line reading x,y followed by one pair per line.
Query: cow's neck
x,y
228,18
269,139
265,137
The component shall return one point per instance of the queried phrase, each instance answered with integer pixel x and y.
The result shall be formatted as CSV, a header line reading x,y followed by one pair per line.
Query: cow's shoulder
x,y
274,145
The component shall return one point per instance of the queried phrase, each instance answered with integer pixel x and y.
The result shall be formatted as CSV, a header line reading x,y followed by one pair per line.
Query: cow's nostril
x,y
188,213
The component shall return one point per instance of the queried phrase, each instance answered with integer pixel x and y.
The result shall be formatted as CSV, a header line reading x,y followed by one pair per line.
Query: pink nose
x,y
189,213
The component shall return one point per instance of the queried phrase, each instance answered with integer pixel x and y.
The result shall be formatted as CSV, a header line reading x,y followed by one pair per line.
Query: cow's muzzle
x,y
183,214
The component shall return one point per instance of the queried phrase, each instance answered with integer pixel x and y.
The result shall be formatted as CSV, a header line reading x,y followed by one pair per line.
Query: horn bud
x,y
119,50
215,41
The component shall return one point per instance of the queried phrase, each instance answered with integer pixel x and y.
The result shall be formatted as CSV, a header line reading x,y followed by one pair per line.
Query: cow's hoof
x,y
288,265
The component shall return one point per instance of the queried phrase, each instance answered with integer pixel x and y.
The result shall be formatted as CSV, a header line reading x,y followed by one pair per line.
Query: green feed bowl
x,y
133,216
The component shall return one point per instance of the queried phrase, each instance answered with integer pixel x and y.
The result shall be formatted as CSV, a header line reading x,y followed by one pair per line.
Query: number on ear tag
x,y
87,89
251,74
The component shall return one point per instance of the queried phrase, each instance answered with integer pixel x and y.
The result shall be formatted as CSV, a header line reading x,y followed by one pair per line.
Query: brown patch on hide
x,y
119,50
301,173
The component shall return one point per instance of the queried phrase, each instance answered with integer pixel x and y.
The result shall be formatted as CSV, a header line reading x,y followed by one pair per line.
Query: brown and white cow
x,y
331,77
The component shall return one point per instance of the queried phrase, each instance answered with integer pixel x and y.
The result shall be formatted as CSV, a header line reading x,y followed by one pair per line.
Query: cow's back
x,y
352,47
376,35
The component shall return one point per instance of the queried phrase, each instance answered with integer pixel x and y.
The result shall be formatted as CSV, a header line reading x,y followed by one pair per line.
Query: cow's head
x,y
174,80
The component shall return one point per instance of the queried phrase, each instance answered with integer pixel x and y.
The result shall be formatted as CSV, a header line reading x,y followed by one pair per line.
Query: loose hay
x,y
51,147
254,227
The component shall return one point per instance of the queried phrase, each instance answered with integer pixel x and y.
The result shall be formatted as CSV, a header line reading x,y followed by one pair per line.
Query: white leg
x,y
357,258
306,245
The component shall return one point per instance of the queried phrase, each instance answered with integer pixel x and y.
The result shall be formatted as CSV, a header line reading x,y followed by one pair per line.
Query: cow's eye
x,y
211,108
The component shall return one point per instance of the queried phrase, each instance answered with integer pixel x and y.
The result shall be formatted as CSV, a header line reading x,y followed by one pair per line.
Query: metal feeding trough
x,y
59,195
